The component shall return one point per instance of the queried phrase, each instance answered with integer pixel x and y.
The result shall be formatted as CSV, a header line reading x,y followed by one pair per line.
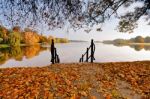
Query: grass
x,y
7,45
4,45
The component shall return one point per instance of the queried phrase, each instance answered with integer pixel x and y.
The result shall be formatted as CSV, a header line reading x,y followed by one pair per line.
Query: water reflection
x,y
136,47
17,53
31,56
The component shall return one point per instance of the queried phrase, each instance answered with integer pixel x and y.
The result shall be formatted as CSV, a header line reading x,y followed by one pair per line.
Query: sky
x,y
109,29
108,33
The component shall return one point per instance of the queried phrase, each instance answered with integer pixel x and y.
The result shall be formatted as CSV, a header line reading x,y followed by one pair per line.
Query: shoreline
x,y
127,44
75,63
146,44
78,80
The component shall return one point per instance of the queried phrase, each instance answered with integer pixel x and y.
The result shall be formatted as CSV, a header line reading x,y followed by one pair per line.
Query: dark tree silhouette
x,y
56,13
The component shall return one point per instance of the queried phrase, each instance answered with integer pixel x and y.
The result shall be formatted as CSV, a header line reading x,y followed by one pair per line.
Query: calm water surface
x,y
68,53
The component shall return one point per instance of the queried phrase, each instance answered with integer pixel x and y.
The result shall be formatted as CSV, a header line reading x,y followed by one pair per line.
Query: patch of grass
x,y
4,45
7,45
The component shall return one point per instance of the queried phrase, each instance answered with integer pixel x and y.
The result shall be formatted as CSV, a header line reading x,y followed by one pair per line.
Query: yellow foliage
x,y
31,38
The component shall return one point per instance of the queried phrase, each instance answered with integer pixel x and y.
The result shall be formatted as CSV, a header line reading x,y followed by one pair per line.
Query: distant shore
x,y
146,44
78,80
23,44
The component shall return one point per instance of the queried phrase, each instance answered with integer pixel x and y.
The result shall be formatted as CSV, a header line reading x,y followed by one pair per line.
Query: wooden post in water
x,y
92,50
55,57
82,57
58,60
52,52
87,52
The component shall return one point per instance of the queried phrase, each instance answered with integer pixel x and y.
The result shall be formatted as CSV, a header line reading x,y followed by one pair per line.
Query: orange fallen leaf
x,y
108,96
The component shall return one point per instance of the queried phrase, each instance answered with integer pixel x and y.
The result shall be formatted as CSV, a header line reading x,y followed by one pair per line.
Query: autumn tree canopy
x,y
78,13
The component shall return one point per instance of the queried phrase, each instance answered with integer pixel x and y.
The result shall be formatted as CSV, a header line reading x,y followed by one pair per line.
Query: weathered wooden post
x,y
92,50
52,52
55,56
80,60
92,46
58,60
87,56
82,57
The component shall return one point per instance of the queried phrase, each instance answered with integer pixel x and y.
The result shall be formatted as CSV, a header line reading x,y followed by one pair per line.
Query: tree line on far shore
x,y
137,39
16,36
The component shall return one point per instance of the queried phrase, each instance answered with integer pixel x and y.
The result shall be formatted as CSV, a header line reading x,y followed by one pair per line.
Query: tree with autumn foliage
x,y
16,29
147,39
43,39
50,38
4,34
61,40
139,39
14,39
30,37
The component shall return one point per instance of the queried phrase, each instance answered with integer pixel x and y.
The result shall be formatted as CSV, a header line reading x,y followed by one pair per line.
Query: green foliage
x,y
127,26
1,39
139,39
121,41
14,39
15,36
147,39
61,40
4,45
16,52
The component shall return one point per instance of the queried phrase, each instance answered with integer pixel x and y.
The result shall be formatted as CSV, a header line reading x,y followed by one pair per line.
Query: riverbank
x,y
21,45
121,80
7,45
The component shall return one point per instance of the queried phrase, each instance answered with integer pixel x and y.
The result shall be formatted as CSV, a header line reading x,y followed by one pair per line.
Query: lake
x,y
70,53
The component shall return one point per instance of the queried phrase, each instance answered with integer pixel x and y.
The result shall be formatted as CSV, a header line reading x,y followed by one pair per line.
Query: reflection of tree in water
x,y
4,56
147,48
140,47
17,53
137,47
119,45
31,51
